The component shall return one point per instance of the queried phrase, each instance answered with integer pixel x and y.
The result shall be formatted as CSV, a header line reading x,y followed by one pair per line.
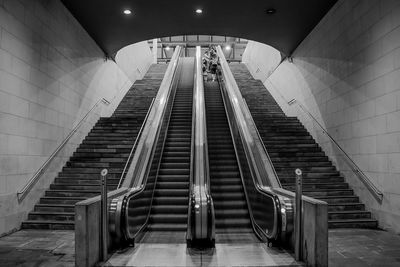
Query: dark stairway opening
x,y
106,146
232,217
168,218
291,146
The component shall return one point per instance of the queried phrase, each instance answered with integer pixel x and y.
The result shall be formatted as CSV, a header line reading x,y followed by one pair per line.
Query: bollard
x,y
104,221
298,213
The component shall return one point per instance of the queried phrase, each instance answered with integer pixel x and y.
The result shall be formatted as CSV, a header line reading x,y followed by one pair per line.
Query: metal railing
x,y
376,193
134,145
31,182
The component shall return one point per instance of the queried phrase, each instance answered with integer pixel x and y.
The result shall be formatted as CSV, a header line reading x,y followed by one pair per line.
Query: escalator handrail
x,y
240,114
141,162
264,148
244,116
265,191
135,144
200,196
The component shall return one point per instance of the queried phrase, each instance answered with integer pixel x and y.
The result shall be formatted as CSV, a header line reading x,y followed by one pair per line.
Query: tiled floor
x,y
38,248
362,247
347,247
241,250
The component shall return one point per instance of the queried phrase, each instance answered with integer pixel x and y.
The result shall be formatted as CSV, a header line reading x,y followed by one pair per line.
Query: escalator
x,y
193,180
231,211
191,172
170,203
155,207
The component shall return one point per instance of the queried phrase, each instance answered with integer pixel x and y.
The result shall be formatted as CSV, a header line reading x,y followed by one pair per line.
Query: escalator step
x,y
171,196
231,211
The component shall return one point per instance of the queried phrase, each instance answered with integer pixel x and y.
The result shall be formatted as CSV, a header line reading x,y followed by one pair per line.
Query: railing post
x,y
298,214
104,221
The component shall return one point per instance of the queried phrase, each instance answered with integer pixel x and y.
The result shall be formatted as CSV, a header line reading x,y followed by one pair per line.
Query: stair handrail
x,y
33,180
376,193
134,144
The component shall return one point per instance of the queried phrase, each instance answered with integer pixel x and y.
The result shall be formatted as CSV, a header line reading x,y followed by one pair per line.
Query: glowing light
x,y
199,11
167,48
270,11
127,12
283,210
228,47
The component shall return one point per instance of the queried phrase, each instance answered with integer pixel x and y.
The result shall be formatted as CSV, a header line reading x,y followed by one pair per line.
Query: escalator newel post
x,y
104,221
298,213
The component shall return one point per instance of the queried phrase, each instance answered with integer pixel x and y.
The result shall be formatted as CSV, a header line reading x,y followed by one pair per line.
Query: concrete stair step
x,y
328,192
345,206
54,216
306,180
61,200
72,193
317,186
55,208
48,225
349,214
338,200
80,187
353,223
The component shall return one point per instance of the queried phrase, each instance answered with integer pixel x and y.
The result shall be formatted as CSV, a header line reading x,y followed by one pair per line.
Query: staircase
x,y
171,196
231,212
290,146
107,146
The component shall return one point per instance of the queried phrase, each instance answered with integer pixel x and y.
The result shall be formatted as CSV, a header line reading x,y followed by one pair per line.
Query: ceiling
x,y
285,29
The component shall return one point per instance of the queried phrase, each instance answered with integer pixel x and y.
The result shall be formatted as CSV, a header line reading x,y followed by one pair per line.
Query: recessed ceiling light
x,y
167,48
199,11
127,12
270,11
228,47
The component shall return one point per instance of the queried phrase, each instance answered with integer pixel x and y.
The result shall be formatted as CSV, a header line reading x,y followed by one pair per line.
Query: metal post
x,y
104,221
298,212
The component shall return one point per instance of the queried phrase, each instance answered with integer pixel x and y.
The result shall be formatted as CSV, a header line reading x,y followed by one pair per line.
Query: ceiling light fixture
x,y
199,11
228,47
167,48
127,12
270,11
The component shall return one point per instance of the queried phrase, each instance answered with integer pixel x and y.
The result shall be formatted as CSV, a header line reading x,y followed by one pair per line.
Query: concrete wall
x,y
51,74
261,59
347,74
131,58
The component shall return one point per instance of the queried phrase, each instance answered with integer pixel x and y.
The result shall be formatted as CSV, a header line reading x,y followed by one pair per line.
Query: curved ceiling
x,y
285,29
